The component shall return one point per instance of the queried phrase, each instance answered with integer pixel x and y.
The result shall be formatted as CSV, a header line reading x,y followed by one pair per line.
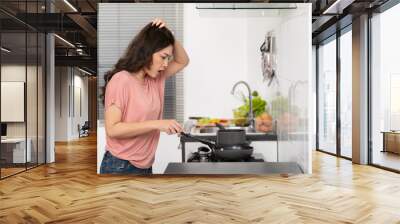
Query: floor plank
x,y
387,159
70,191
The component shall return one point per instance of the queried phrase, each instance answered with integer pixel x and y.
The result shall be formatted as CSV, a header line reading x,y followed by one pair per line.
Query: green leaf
x,y
259,105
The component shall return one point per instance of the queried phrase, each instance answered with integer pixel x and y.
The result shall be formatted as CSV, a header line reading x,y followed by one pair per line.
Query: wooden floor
x,y
387,159
5,172
70,191
10,171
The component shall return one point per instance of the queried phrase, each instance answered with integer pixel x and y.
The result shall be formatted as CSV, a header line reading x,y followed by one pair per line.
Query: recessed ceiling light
x,y
5,50
70,5
64,40
84,71
337,7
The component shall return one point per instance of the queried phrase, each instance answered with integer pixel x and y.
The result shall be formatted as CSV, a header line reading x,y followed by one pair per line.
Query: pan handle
x,y
220,126
204,141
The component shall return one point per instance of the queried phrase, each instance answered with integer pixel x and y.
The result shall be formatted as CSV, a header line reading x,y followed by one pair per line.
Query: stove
x,y
198,157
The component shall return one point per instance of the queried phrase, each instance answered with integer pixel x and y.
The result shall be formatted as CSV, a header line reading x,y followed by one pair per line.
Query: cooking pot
x,y
226,152
231,137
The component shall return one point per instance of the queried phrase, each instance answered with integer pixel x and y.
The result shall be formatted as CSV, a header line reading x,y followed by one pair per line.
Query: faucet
x,y
251,114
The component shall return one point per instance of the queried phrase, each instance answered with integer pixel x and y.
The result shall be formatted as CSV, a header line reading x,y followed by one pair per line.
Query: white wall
x,y
61,103
101,143
13,72
67,100
217,49
80,84
16,73
50,95
33,126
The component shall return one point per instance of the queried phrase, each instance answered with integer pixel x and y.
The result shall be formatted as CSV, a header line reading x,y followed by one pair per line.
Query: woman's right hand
x,y
159,23
169,126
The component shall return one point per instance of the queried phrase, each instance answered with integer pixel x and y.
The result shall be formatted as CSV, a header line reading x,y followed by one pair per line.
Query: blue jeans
x,y
114,165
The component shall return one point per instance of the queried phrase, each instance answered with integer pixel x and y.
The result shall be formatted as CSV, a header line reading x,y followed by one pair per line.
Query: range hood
x,y
234,6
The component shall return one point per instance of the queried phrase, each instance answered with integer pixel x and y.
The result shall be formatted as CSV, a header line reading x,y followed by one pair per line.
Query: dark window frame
x,y
334,37
30,29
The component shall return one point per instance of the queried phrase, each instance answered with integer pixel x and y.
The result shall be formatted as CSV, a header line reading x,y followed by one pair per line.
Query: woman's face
x,y
160,62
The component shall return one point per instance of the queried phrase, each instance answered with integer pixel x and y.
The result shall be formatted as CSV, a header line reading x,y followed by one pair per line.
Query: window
x,y
394,102
346,94
327,97
385,89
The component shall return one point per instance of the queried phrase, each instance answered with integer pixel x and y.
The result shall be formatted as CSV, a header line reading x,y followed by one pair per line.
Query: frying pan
x,y
235,152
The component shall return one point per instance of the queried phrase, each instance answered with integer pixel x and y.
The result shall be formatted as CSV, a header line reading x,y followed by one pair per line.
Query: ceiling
x,y
76,22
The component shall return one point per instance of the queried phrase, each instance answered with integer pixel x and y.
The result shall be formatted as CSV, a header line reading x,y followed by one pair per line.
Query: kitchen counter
x,y
249,137
234,168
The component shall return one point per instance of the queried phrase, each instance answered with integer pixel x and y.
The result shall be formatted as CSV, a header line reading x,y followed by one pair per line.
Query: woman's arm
x,y
181,60
117,129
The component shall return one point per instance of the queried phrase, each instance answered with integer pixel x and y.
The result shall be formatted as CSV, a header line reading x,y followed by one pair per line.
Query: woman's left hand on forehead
x,y
158,23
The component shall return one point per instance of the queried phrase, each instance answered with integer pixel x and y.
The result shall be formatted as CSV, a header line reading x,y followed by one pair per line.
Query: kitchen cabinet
x,y
167,152
391,141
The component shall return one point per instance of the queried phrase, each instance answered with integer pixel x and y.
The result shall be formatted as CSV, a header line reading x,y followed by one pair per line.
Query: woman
x,y
134,98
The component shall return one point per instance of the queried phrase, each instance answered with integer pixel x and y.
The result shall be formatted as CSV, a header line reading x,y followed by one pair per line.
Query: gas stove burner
x,y
205,154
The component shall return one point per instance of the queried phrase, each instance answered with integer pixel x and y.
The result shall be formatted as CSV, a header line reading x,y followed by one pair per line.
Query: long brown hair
x,y
139,53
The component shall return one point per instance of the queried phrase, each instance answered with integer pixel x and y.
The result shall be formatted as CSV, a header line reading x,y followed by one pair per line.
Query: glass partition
x,y
13,86
385,89
31,97
346,94
327,97
22,91
41,91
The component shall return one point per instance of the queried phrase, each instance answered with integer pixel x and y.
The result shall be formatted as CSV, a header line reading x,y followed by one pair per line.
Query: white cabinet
x,y
101,143
167,151
268,149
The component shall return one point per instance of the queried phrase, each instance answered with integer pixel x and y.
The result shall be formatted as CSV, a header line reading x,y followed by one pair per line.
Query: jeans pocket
x,y
120,165
114,165
104,164
111,164
150,170
117,164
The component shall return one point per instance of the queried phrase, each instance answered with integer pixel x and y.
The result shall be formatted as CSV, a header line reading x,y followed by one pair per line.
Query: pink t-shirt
x,y
138,102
